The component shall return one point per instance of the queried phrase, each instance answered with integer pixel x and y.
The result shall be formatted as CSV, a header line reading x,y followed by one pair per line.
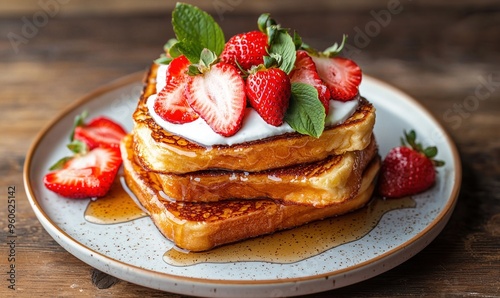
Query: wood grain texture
x,y
437,54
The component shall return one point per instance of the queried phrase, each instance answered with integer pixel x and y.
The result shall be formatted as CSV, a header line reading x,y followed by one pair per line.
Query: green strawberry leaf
x,y
335,49
60,163
297,40
196,30
438,163
78,147
163,59
283,45
410,139
306,113
265,21
431,152
170,48
79,121
206,59
169,44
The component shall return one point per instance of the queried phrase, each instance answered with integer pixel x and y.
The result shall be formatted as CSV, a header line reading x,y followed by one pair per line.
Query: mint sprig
x,y
306,114
284,46
196,30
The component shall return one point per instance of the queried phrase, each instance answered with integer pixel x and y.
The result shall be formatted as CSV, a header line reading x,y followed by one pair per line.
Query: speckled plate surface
x,y
133,250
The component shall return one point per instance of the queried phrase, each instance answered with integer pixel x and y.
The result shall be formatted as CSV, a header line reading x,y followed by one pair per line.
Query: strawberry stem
x,y
79,121
265,21
335,49
410,140
78,147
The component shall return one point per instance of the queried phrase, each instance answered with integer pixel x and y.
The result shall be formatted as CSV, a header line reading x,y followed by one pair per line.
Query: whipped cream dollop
x,y
253,127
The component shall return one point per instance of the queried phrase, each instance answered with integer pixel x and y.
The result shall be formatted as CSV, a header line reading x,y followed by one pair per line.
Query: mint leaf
x,y
197,30
284,46
191,50
306,114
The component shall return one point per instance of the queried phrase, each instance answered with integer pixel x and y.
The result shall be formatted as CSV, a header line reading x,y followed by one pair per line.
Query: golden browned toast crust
x,y
201,226
161,151
333,179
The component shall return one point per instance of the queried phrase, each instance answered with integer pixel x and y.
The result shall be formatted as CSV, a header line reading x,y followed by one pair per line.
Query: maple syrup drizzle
x,y
295,244
116,207
288,246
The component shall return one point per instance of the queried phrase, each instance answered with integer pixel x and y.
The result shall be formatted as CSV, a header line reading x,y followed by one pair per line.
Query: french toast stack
x,y
201,197
290,139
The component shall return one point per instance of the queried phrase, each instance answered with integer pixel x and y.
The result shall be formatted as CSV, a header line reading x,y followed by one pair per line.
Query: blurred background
x,y
440,52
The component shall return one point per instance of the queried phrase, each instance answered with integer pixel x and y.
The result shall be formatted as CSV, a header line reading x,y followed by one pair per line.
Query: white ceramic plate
x,y
133,251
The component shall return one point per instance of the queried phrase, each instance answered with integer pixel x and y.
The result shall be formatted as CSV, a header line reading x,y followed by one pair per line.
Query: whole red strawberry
x,y
245,49
408,170
268,91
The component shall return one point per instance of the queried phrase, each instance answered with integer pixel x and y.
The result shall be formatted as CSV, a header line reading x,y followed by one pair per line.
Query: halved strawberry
x,y
171,104
86,175
246,49
268,91
305,72
100,132
341,75
217,94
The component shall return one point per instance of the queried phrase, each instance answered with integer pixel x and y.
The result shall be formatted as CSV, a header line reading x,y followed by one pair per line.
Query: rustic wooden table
x,y
446,57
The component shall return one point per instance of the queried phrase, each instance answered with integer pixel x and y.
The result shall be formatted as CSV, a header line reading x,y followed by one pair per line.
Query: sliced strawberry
x,y
171,104
246,49
100,132
218,96
177,68
341,75
86,175
305,72
268,92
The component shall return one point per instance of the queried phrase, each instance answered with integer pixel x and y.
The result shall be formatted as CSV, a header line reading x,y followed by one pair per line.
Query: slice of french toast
x,y
199,226
165,152
326,182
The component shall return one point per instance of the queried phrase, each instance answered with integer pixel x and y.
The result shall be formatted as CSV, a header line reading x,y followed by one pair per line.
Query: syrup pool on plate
x,y
288,246
116,207
295,244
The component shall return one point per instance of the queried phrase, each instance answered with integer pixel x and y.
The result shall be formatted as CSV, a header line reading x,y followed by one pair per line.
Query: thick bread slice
x,y
202,226
331,180
161,151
